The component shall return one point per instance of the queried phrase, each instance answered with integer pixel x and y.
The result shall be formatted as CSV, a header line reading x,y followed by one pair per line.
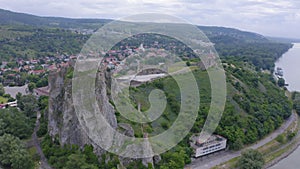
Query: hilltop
x,y
29,36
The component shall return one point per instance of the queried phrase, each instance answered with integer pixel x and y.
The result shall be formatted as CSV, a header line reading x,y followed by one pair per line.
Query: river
x,y
290,63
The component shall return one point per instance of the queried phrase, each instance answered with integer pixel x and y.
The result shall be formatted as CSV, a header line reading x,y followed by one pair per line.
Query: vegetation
x,y
15,123
261,53
296,100
43,108
251,159
29,105
255,105
71,156
281,82
261,105
2,91
13,154
15,126
68,156
21,19
31,42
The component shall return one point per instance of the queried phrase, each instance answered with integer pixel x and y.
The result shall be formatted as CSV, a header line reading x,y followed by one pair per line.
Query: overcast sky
x,y
280,18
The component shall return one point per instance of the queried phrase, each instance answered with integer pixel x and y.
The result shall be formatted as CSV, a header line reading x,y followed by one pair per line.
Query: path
x,y
43,160
209,162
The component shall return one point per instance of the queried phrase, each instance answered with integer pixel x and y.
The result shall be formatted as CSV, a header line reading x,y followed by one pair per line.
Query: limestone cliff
x,y
63,122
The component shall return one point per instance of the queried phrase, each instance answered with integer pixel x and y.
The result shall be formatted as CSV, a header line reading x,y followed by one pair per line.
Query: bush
x,y
251,159
280,138
165,125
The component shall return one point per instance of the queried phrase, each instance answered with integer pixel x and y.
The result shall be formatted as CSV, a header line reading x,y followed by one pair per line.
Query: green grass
x,y
3,100
228,165
176,67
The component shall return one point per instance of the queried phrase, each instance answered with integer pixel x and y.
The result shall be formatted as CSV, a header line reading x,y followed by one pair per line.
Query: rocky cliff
x,y
63,123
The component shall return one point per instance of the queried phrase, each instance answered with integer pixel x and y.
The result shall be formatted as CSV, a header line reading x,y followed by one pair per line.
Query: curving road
x,y
209,162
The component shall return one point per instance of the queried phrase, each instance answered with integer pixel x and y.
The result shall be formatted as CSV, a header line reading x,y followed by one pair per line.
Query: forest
x,y
255,105
26,42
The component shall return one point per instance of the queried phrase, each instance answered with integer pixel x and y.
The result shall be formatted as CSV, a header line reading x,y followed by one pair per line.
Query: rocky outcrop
x,y
63,123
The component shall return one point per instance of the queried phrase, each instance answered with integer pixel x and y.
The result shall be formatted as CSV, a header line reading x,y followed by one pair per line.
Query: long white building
x,y
213,144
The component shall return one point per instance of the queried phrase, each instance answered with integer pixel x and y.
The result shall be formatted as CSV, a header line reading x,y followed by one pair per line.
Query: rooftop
x,y
213,139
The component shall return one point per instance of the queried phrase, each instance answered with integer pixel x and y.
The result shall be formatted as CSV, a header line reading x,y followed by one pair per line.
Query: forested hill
x,y
14,18
29,36
214,33
246,46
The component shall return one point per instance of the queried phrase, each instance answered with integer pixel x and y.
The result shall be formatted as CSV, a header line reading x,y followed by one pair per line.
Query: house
x,y
2,106
13,104
34,62
52,67
36,72
213,144
9,104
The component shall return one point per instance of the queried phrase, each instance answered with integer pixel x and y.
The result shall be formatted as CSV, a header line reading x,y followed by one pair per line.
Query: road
x,y
213,160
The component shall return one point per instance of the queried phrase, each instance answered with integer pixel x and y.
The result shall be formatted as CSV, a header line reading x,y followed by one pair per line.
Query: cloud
x,y
269,17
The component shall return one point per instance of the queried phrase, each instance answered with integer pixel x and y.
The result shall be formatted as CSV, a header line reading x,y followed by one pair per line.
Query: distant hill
x,y
29,36
231,35
14,18
284,40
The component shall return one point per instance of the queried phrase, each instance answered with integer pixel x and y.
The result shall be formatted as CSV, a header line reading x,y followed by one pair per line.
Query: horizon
x,y
110,19
269,18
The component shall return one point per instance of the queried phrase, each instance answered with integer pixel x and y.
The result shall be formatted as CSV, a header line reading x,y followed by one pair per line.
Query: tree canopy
x,y
13,154
251,159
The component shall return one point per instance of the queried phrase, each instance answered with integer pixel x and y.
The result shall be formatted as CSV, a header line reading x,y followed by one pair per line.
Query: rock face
x,y
63,122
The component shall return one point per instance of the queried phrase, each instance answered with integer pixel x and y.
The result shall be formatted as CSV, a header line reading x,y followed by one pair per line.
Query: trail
x,y
43,160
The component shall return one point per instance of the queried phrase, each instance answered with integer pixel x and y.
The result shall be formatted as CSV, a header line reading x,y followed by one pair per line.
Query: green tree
x,y
174,160
28,104
78,161
251,159
18,96
2,91
2,127
13,154
91,157
21,159
188,63
31,86
43,102
15,123
281,82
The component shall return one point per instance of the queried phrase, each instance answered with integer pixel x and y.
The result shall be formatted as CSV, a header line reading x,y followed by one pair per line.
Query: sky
x,y
277,18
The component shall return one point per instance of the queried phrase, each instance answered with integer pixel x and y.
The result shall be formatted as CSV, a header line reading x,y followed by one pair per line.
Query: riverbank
x,y
289,149
289,62
227,160
287,153
284,150
269,149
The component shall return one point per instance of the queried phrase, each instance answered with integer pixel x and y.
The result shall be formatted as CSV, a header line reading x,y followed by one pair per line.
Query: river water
x,y
290,63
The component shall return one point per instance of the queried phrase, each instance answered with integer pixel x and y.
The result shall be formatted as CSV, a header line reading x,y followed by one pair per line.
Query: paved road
x,y
213,160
